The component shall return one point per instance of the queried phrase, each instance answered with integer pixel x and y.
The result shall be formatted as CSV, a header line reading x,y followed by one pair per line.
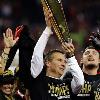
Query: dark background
x,y
83,17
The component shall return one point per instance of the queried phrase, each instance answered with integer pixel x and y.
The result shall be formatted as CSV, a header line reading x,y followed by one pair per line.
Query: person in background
x,y
95,89
9,42
90,65
22,52
7,85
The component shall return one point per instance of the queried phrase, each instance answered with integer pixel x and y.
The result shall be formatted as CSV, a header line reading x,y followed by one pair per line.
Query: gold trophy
x,y
58,20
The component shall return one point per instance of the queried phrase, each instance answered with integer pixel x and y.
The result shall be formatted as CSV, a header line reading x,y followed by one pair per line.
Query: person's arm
x,y
78,77
37,57
15,62
37,61
4,56
8,42
73,67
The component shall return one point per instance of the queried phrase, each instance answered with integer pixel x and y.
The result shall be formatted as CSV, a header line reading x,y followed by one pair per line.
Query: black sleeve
x,y
94,88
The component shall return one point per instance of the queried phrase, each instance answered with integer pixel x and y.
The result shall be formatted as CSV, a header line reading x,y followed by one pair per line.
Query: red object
x,y
98,73
18,31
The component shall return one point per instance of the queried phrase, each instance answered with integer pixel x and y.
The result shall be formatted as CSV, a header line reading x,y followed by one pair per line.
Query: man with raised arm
x,y
48,83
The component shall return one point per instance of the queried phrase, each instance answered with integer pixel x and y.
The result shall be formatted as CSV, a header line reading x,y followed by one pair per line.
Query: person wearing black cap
x,y
6,85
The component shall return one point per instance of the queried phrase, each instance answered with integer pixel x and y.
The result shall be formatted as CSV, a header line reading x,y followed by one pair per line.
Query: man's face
x,y
90,58
57,64
7,88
